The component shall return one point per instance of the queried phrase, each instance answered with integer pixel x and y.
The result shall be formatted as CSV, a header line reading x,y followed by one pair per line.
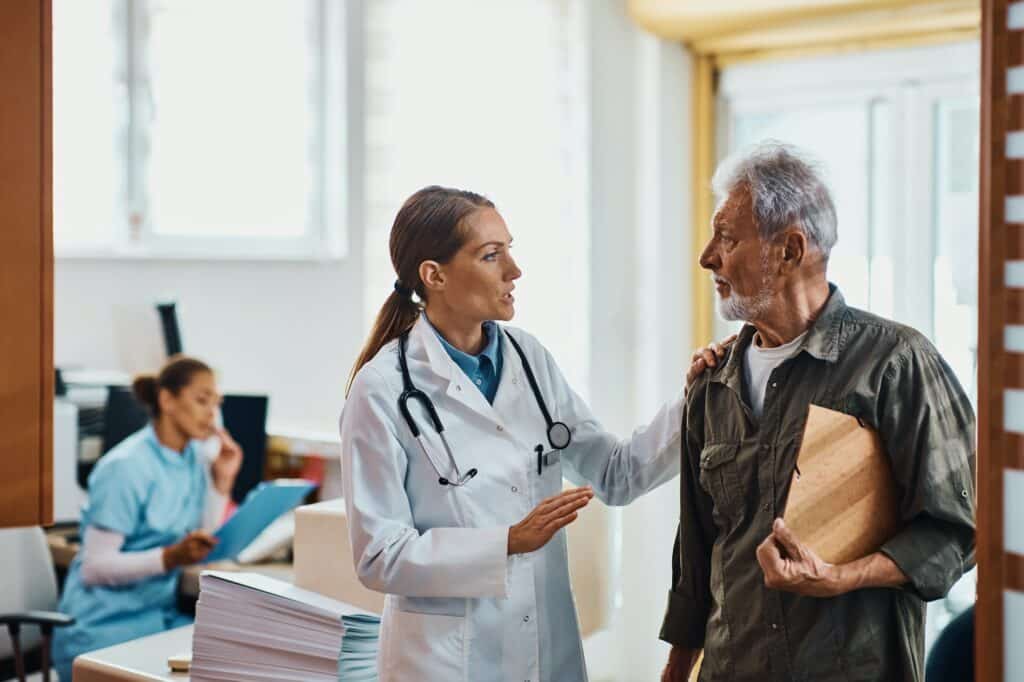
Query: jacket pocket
x,y
719,478
423,646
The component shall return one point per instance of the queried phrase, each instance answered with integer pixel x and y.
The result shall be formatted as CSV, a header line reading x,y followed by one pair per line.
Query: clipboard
x,y
261,507
842,500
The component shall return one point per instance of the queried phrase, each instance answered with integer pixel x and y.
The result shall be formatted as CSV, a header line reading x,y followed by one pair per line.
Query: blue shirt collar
x,y
165,453
470,363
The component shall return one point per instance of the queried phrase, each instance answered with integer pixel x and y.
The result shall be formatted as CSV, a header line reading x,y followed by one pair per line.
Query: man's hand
x,y
680,662
706,358
792,566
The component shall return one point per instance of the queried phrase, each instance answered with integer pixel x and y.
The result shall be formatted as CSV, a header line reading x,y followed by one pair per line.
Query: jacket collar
x,y
821,342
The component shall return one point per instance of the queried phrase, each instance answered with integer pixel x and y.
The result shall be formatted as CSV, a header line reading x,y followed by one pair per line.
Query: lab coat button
x,y
526,619
515,489
458,388
500,427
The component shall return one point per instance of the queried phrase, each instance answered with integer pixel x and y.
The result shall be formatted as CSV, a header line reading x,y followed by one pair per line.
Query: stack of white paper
x,y
251,627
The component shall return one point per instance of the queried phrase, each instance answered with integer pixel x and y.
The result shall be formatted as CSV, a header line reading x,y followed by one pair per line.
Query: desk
x,y
140,660
63,550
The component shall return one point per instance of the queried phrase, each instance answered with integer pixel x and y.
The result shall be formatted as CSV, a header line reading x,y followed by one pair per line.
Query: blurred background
x,y
244,160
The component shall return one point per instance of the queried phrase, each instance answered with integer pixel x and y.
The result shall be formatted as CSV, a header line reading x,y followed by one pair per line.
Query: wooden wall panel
x,y
26,398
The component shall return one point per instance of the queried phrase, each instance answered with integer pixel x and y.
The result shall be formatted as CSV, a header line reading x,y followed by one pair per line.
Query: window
x,y
199,129
497,109
897,133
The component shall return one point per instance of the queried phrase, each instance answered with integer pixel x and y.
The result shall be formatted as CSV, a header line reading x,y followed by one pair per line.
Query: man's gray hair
x,y
785,187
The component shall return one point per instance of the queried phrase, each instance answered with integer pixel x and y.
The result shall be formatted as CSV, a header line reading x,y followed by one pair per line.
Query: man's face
x,y
738,260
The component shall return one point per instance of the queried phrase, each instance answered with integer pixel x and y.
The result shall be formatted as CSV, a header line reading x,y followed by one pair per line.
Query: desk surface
x,y
140,660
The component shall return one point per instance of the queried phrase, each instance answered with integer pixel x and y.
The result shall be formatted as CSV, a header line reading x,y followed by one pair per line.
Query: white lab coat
x,y
458,607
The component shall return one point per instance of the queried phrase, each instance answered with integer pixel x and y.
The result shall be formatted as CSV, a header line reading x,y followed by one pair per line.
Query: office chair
x,y
28,596
123,415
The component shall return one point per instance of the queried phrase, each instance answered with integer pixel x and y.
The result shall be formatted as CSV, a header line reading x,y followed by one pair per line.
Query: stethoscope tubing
x,y
558,433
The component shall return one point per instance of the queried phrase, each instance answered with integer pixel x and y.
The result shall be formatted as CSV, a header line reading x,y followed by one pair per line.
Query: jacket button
x,y
500,427
526,619
515,489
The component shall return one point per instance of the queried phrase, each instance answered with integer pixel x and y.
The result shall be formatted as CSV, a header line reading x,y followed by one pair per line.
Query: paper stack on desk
x,y
252,627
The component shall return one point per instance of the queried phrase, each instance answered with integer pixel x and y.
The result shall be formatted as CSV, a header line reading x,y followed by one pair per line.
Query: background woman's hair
x,y
429,226
173,376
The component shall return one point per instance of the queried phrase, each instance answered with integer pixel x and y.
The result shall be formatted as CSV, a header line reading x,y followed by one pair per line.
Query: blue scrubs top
x,y
153,496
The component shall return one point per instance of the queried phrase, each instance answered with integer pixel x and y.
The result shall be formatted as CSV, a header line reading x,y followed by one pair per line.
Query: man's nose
x,y
709,259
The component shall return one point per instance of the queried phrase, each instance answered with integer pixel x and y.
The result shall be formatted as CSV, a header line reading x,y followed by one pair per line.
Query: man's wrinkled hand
x,y
791,566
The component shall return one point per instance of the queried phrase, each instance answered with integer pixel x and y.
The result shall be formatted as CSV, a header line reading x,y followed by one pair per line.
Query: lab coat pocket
x,y
425,646
719,478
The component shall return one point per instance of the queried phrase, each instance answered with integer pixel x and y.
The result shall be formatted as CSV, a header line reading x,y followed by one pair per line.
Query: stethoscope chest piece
x,y
559,435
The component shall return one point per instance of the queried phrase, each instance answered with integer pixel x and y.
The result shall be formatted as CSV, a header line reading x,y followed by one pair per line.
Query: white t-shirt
x,y
757,368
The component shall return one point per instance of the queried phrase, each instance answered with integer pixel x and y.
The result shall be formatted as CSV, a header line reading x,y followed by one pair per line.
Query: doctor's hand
x,y
546,519
706,358
191,549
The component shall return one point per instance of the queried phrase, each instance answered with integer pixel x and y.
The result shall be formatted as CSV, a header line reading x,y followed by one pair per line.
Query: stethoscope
x,y
559,435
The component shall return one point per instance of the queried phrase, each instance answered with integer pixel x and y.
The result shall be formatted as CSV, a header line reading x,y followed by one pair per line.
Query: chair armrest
x,y
42,618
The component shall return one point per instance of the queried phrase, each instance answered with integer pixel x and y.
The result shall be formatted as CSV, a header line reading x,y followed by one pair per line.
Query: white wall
x,y
288,329
640,307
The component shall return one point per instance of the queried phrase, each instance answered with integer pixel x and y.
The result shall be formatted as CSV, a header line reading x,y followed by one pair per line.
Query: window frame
x,y
911,80
337,45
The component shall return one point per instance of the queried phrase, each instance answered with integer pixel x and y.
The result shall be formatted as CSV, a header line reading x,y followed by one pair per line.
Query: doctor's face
x,y
480,277
193,410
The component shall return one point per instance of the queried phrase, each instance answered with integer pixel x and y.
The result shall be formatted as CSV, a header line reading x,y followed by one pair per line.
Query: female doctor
x,y
150,498
455,436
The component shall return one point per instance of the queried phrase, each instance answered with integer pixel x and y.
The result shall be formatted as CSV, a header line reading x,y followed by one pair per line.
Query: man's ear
x,y
432,275
794,249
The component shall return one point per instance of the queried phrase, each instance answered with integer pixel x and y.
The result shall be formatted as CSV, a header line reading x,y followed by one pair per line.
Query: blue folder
x,y
264,503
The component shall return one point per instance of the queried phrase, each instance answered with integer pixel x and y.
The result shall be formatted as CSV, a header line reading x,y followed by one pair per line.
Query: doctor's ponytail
x,y
429,226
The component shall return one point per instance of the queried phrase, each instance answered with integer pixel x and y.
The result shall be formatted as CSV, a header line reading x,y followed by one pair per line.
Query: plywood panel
x,y
24,261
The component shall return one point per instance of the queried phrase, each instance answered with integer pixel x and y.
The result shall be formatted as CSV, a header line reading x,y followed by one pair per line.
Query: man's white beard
x,y
747,308
743,308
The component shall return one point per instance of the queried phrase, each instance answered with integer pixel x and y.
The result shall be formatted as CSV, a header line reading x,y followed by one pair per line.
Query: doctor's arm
x,y
623,469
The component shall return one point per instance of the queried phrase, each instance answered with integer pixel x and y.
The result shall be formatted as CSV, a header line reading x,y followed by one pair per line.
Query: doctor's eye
x,y
491,257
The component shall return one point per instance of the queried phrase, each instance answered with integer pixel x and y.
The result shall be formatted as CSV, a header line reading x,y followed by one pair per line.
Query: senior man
x,y
746,590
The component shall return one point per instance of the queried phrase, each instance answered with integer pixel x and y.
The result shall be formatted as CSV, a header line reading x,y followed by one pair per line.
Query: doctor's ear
x,y
432,275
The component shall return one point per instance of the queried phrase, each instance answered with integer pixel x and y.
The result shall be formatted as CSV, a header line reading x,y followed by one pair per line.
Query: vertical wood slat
x,y
46,378
992,313
702,97
26,264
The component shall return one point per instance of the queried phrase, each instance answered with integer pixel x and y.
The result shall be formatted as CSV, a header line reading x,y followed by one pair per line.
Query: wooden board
x,y
843,502
26,261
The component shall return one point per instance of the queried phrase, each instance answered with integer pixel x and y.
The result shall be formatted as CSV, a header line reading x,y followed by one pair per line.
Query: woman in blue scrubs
x,y
152,499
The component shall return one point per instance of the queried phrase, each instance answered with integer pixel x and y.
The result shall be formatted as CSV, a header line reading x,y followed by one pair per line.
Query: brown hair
x,y
429,226
174,376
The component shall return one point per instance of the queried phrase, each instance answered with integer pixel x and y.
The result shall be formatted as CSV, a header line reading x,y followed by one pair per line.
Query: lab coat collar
x,y
457,385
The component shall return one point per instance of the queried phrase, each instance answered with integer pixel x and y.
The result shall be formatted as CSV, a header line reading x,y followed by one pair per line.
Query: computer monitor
x,y
169,324
245,418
